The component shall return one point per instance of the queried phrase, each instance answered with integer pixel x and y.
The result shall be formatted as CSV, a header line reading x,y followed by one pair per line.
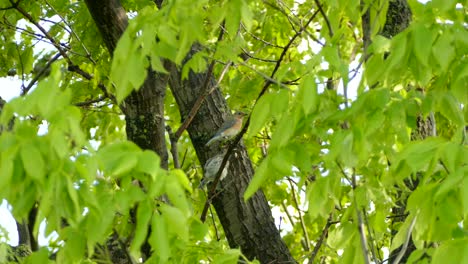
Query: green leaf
x,y
444,5
450,108
452,251
118,158
33,161
231,256
198,229
398,53
144,212
260,114
40,256
148,162
176,194
234,18
308,95
177,219
444,51
74,248
417,154
422,43
400,237
340,236
159,238
452,182
6,170
260,176
284,131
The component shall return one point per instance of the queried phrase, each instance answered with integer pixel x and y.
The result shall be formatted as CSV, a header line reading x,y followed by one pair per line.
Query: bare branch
x,y
88,54
196,106
90,102
407,240
71,66
371,241
40,74
301,219
321,239
330,30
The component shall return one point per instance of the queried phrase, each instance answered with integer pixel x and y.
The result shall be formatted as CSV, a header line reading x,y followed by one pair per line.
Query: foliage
x,y
331,159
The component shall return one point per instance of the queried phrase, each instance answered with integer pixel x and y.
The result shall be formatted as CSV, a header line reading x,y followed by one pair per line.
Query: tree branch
x,y
40,74
301,219
196,106
407,240
71,66
321,239
327,21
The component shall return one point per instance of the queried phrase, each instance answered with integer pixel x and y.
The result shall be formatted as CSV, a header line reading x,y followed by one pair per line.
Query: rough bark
x,y
248,225
143,109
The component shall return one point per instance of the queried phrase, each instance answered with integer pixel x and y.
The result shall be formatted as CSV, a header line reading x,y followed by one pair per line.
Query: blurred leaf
x,y
33,161
454,251
422,43
143,217
260,114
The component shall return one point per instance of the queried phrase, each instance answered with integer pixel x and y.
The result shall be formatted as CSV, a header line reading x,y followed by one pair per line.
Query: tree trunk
x,y
248,225
143,109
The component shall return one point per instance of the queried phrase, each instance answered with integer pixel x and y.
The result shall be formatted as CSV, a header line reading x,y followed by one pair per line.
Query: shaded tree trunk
x,y
248,225
143,109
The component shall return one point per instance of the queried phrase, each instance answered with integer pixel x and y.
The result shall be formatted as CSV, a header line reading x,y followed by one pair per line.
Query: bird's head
x,y
239,114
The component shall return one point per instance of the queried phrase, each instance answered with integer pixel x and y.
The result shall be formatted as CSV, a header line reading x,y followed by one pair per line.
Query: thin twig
x,y
246,53
265,77
88,54
288,214
205,91
22,66
261,40
408,237
71,66
214,225
90,102
371,239
327,21
362,232
321,239
183,159
301,219
196,106
39,74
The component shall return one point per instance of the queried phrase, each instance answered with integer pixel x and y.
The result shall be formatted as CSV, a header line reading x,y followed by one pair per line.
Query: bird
x,y
211,169
229,129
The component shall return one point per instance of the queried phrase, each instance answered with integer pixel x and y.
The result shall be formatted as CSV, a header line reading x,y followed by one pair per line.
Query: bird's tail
x,y
211,141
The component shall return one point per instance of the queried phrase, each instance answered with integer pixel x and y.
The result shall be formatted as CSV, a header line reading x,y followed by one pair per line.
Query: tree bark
x,y
143,109
248,225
